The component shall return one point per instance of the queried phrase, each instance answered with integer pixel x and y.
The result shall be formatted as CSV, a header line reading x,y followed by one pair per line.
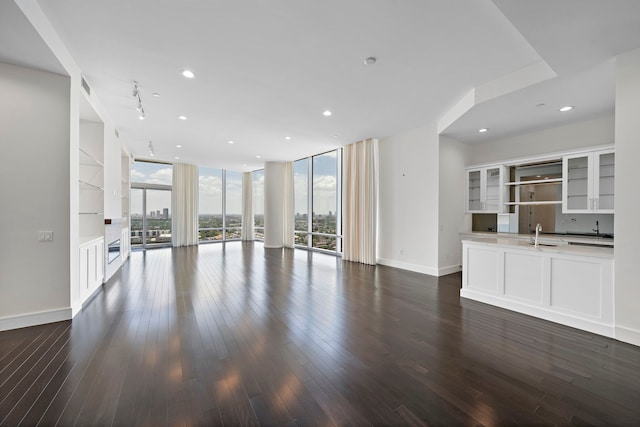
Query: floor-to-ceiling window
x,y
317,189
150,220
220,205
211,194
301,201
258,203
233,205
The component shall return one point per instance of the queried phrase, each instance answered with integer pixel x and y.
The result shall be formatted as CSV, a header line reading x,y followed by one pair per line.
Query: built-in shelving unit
x,y
535,184
589,181
91,180
485,190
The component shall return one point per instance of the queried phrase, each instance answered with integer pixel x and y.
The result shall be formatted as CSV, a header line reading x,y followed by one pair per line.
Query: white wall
x,y
562,138
627,232
34,189
408,200
112,172
453,159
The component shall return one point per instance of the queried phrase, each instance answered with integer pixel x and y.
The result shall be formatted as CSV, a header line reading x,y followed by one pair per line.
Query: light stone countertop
x,y
551,238
558,246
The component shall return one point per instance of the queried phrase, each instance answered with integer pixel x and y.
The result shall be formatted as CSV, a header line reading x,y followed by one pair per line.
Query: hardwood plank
x,y
235,334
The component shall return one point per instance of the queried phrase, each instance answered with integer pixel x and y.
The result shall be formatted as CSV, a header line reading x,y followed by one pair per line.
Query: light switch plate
x,y
45,236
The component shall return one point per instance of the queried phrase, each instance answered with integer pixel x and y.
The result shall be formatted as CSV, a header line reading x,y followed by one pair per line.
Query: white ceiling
x,y
266,70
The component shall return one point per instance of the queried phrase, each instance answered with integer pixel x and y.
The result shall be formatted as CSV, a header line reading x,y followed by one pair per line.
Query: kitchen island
x,y
556,281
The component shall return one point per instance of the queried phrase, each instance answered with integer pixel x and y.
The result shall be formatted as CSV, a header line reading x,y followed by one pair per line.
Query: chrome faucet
x,y
597,229
538,230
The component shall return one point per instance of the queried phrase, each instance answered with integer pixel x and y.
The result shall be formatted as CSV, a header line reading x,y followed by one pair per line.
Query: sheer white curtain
x,y
184,205
247,207
288,214
359,201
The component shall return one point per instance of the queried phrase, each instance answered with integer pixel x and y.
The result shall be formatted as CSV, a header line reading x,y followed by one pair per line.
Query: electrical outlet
x,y
45,236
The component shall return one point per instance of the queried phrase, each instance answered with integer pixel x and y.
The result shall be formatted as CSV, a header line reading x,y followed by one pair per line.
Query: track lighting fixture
x,y
151,152
136,95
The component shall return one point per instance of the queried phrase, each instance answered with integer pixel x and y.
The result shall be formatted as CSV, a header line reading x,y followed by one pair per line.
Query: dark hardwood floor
x,y
233,334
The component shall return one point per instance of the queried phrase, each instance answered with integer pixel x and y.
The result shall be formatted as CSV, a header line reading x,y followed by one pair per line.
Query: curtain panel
x,y
360,201
288,214
247,231
184,205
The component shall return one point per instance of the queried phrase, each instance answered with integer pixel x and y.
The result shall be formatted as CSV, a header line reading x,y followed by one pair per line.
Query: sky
x,y
210,186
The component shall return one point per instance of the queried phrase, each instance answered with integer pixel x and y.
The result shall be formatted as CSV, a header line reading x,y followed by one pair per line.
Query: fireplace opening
x,y
113,250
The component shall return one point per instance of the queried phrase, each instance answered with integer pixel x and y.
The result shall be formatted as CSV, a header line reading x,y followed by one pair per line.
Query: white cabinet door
x,y
91,267
588,182
485,190
84,272
604,181
99,263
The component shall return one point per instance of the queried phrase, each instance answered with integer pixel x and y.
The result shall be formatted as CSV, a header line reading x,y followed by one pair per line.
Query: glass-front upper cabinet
x,y
588,182
485,190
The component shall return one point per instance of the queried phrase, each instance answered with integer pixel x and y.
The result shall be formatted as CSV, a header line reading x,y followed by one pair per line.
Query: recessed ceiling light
x,y
483,130
327,113
141,117
287,138
231,142
182,117
335,136
257,157
188,74
156,94
567,108
244,165
177,158
178,146
370,60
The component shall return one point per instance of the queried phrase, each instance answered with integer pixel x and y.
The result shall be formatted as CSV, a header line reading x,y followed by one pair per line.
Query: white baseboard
x,y
628,335
32,319
443,271
407,266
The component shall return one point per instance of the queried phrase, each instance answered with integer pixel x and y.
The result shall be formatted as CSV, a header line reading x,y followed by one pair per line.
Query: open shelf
x,y
536,181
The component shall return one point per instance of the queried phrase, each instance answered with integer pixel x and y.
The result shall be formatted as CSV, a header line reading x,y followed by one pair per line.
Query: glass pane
x,y
606,181
324,242
577,183
210,204
152,173
301,239
158,217
136,217
258,203
233,196
474,191
324,193
493,189
301,190
233,233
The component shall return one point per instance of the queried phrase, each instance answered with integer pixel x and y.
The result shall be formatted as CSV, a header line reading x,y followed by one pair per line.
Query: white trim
x,y
407,266
443,271
33,319
628,335
273,246
542,313
541,158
